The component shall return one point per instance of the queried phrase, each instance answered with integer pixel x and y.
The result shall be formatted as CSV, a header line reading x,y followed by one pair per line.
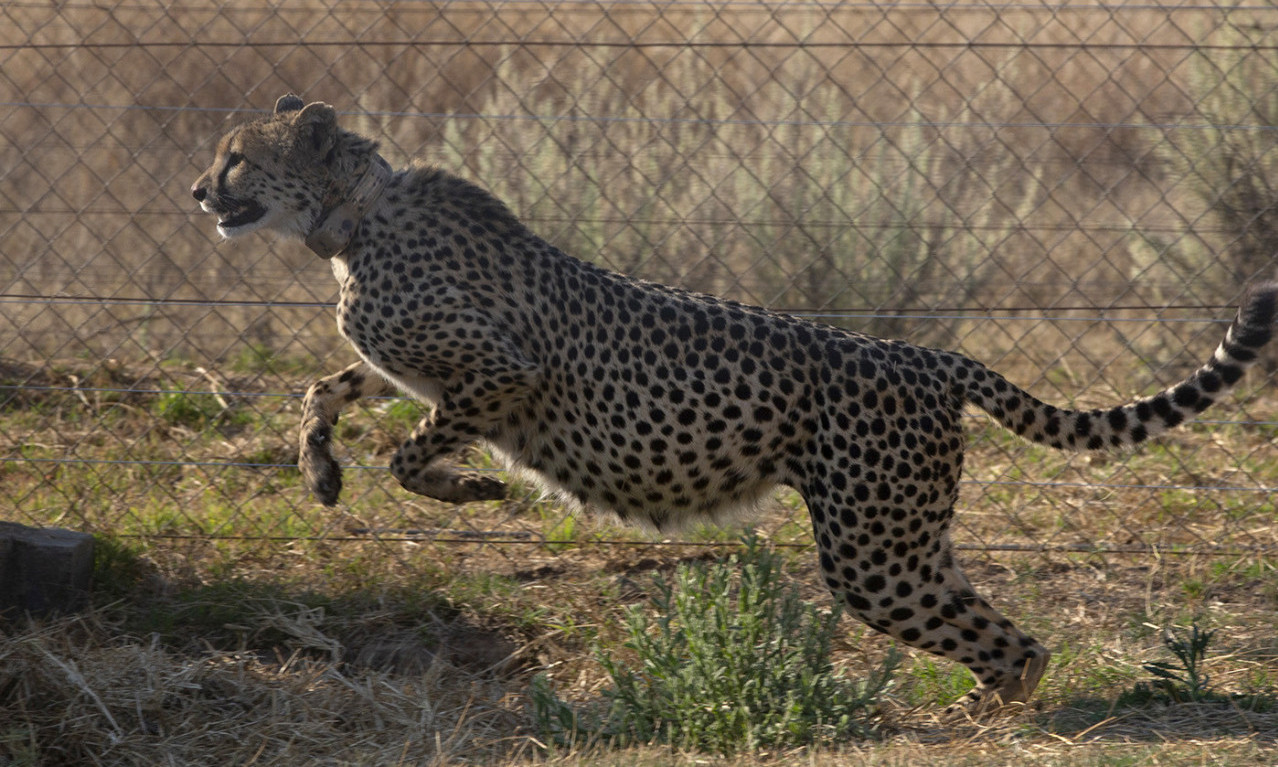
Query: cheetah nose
x,y
199,192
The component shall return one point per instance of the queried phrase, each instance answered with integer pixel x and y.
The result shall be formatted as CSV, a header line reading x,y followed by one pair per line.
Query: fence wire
x,y
1072,193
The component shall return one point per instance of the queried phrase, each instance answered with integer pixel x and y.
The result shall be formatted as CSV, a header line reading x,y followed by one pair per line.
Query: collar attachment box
x,y
340,219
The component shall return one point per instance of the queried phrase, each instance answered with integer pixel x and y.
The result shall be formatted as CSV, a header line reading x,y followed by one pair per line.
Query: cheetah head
x,y
273,173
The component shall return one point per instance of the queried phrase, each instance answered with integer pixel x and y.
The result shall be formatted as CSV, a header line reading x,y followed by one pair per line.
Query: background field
x,y
1074,194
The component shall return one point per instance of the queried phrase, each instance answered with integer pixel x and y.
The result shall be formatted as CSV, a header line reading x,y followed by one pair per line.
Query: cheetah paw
x,y
320,470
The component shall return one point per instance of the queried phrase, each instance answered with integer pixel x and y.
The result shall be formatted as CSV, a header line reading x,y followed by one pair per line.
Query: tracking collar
x,y
342,214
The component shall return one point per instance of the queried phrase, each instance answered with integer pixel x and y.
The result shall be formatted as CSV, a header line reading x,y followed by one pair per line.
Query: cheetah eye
x,y
233,159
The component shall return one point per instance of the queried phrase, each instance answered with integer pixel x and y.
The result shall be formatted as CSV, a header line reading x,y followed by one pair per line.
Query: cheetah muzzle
x,y
660,405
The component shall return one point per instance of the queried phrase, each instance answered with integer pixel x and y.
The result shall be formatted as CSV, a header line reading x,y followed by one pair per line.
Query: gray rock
x,y
43,570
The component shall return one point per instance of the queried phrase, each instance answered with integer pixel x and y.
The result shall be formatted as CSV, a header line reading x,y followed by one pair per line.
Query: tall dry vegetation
x,y
746,150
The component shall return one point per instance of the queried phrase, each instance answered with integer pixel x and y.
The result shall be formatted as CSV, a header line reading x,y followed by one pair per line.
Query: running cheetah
x,y
659,405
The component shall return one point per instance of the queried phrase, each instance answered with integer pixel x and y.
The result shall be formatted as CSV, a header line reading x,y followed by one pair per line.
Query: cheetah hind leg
x,y
1005,698
932,606
1007,663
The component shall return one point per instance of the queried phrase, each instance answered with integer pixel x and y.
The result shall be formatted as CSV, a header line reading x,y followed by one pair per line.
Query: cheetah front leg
x,y
474,407
323,403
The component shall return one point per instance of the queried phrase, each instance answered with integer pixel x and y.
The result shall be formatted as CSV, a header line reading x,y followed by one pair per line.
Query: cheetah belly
x,y
655,474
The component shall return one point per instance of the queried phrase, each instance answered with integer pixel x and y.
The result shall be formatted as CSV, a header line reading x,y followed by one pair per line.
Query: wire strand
x,y
365,467
772,7
919,312
487,538
933,124
642,45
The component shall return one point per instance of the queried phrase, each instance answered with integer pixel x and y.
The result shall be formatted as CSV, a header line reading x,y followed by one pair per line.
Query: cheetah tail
x,y
1145,418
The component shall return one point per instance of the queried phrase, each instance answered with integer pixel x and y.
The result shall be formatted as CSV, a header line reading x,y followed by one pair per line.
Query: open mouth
x,y
248,213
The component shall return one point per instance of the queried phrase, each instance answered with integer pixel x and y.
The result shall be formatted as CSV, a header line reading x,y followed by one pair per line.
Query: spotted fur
x,y
660,405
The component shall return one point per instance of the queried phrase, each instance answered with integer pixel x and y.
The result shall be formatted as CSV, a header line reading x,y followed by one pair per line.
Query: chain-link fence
x,y
1073,193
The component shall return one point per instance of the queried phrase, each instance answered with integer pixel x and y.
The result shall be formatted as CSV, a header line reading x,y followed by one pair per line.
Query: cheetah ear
x,y
289,102
317,127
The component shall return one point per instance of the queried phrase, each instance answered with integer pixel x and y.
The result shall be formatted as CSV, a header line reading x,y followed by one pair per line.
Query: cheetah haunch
x,y
660,405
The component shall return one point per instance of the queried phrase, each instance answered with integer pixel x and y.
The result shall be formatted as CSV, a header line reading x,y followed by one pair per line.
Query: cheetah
x,y
659,405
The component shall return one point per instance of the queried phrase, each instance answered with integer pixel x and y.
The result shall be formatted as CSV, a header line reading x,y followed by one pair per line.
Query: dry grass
x,y
77,691
270,677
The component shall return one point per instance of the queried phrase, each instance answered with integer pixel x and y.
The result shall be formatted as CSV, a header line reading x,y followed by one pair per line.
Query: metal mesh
x,y
1074,194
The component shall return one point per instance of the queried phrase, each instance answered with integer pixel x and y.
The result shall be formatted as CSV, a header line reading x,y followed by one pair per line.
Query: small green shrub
x,y
1185,679
734,661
